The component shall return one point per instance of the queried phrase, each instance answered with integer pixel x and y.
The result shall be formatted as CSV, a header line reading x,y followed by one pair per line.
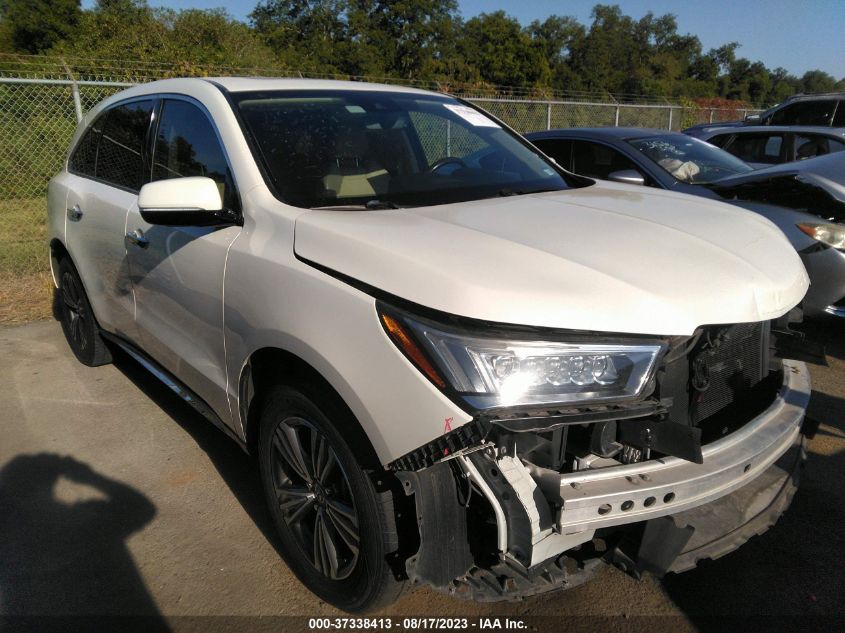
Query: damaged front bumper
x,y
551,529
612,496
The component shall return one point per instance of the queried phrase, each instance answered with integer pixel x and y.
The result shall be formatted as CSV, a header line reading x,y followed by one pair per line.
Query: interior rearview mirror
x,y
627,176
190,201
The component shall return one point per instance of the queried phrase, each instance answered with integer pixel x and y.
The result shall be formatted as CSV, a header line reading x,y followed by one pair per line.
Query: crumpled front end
x,y
523,502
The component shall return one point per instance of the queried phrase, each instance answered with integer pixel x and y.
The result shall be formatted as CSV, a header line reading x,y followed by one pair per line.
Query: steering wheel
x,y
446,160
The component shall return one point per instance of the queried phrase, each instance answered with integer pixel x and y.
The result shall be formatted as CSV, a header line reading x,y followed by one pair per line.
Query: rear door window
x,y
805,113
120,154
811,145
558,148
757,148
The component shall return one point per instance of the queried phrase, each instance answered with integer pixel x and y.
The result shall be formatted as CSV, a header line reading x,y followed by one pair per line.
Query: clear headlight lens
x,y
826,233
491,372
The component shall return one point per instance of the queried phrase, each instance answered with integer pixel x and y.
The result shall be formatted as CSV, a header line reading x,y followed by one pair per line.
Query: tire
x,y
77,319
335,528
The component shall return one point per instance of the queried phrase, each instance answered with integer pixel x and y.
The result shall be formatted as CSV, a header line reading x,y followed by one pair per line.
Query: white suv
x,y
456,363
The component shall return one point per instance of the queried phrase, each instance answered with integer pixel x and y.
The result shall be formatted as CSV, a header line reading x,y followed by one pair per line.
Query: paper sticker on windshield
x,y
473,117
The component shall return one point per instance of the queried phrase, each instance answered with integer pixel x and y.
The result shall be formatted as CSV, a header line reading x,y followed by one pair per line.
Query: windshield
x,y
386,149
688,159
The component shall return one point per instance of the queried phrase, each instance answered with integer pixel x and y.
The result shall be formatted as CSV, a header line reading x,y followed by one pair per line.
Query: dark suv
x,y
827,110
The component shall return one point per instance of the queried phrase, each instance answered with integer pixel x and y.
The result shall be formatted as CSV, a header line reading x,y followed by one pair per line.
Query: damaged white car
x,y
458,364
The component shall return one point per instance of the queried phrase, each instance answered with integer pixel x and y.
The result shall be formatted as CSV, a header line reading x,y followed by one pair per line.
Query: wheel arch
x,y
268,366
58,250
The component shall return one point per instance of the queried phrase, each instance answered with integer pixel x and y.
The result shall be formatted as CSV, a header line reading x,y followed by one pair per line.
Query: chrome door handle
x,y
137,238
74,213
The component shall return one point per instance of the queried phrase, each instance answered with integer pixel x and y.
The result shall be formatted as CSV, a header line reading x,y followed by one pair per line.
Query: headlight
x,y
826,233
492,371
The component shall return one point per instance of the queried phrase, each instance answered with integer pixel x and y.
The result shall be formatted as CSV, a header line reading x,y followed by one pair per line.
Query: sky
x,y
798,35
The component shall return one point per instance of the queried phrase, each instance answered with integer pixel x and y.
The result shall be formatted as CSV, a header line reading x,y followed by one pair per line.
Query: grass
x,y
25,284
26,298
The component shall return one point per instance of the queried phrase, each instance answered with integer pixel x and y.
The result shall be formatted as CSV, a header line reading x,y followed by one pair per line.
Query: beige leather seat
x,y
353,172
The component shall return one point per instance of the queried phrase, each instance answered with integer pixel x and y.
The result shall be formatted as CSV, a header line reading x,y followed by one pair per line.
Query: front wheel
x,y
335,528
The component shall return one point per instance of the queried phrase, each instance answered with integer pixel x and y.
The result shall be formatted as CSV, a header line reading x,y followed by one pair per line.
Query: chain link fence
x,y
41,100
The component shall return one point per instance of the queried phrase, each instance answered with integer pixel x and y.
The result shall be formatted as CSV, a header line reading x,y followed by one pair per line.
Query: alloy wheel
x,y
76,315
315,498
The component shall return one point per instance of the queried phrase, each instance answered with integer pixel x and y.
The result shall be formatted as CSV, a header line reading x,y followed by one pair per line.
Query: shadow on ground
x,y
792,577
238,470
68,557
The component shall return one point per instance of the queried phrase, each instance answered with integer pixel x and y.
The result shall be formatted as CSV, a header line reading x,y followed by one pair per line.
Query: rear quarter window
x,y
120,154
839,117
720,140
83,161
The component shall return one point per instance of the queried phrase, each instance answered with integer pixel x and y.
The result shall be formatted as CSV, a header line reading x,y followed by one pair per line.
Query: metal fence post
x,y
711,115
548,116
74,89
670,118
616,119
77,102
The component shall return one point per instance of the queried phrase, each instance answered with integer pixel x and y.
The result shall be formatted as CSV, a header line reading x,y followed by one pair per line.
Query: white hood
x,y
607,258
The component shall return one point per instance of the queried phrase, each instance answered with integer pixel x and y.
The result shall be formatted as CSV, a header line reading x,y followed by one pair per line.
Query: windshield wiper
x,y
370,205
521,192
381,204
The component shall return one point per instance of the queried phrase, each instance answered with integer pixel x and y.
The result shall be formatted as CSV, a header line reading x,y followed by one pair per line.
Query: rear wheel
x,y
335,528
77,318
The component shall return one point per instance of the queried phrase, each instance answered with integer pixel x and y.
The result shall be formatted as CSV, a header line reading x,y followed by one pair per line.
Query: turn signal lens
x,y
401,338
826,233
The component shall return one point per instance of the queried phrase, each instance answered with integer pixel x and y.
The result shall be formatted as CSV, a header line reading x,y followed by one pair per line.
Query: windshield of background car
x,y
338,148
689,159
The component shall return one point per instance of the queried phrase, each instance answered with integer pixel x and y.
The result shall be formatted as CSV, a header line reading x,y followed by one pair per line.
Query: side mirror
x,y
752,119
190,201
627,176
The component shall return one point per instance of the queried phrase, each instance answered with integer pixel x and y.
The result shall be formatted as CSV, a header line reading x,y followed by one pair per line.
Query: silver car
x,y
809,209
763,146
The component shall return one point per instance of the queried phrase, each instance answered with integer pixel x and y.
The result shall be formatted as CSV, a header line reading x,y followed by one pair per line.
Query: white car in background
x,y
457,364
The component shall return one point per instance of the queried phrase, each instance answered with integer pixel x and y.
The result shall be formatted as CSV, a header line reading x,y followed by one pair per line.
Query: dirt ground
x,y
117,499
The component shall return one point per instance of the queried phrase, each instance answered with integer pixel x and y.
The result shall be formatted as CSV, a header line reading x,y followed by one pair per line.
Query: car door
x,y
177,272
806,145
598,160
560,149
759,149
107,172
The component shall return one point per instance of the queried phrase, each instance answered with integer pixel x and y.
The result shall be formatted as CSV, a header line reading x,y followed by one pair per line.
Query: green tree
x,y
309,34
407,34
608,57
556,37
501,52
132,30
36,25
814,81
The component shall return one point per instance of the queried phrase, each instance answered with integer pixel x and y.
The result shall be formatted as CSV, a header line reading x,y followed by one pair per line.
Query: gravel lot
x,y
116,498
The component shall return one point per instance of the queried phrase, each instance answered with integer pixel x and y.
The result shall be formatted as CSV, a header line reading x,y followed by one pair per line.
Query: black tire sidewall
x,y
366,586
85,356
